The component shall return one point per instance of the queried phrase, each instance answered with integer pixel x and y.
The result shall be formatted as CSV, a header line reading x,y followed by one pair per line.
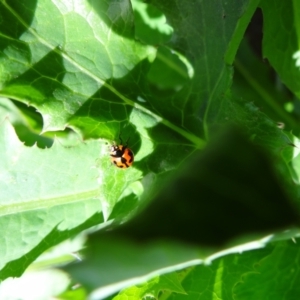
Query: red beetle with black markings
x,y
121,156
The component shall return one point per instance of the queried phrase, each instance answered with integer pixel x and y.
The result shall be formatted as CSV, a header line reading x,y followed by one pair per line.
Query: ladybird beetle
x,y
121,155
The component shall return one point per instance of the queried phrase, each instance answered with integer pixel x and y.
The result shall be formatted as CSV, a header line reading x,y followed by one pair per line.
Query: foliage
x,y
209,208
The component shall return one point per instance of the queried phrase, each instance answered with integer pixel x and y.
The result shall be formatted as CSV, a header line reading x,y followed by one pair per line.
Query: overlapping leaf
x,y
43,191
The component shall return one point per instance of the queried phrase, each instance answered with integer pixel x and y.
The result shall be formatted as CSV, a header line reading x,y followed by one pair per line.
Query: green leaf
x,y
281,40
44,192
253,83
150,24
50,282
243,22
182,216
275,276
193,30
167,282
60,64
25,127
168,71
218,279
